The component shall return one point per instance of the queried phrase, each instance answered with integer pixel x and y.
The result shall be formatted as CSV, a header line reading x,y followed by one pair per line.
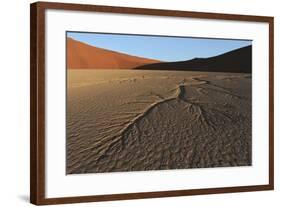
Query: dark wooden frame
x,y
37,102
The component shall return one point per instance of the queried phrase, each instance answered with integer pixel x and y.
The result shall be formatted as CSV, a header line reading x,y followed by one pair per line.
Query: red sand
x,y
83,56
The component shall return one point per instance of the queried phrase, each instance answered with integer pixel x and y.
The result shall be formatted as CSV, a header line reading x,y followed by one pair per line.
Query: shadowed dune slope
x,y
84,56
235,61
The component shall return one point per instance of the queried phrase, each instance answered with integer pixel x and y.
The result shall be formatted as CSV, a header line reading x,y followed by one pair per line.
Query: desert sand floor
x,y
131,120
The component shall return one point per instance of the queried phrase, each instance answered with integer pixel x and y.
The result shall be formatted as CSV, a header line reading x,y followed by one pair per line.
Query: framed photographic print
x,y
130,103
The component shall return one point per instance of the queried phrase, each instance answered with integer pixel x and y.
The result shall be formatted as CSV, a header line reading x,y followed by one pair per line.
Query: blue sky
x,y
160,47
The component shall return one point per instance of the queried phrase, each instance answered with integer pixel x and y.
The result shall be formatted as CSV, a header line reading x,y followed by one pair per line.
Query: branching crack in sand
x,y
197,123
120,136
216,88
201,113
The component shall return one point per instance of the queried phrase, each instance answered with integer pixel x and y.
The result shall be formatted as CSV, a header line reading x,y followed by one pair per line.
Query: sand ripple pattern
x,y
158,120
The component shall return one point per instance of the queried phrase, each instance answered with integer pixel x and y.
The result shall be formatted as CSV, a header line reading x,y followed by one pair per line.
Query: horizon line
x,y
153,58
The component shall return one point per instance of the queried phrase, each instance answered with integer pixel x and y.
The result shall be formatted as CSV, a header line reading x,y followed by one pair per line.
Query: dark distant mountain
x,y
235,61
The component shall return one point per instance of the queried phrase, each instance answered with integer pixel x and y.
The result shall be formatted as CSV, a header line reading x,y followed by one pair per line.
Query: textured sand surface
x,y
131,120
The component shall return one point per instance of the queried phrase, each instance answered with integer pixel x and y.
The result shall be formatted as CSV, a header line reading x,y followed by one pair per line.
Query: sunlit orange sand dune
x,y
84,56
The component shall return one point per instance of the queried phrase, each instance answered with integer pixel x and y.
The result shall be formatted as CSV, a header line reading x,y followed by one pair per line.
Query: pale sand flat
x,y
154,120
